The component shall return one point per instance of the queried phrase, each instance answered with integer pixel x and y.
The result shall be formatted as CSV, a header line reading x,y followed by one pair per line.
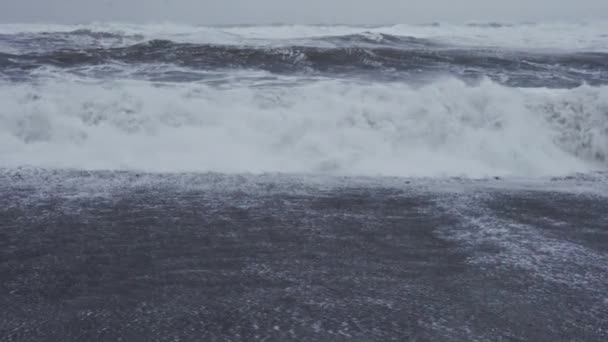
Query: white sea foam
x,y
446,128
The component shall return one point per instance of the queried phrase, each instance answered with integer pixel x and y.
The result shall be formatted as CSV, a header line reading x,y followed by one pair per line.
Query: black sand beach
x,y
139,257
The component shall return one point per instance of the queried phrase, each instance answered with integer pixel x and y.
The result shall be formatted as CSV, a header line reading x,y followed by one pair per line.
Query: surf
x,y
445,128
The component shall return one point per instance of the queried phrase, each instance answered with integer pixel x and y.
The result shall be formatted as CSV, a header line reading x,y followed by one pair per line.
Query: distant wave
x,y
569,36
492,24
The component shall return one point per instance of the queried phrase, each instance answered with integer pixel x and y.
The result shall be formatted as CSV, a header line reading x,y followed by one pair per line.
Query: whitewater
x,y
437,100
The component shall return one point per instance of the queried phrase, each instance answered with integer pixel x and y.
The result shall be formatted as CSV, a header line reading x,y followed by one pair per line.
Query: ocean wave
x,y
515,68
563,36
447,128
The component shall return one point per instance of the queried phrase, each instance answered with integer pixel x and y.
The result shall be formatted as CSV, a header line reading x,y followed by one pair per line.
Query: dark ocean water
x,y
378,57
304,183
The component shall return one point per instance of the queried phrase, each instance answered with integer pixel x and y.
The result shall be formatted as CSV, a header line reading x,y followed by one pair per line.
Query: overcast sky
x,y
299,11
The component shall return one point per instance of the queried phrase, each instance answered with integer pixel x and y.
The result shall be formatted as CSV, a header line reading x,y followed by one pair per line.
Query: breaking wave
x,y
476,100
446,128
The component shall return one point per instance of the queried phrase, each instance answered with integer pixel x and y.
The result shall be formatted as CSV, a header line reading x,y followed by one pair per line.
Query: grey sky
x,y
299,11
